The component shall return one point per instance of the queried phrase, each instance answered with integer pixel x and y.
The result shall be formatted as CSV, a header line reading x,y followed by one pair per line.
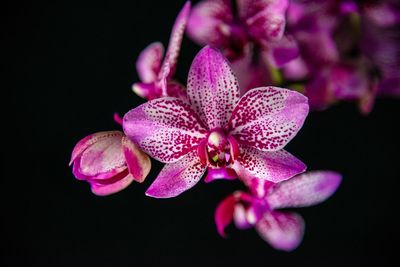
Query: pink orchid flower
x,y
155,72
282,230
109,162
218,130
249,32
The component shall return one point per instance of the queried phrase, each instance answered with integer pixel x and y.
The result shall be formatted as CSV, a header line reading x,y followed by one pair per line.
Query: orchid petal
x,y
304,190
224,214
208,20
148,64
108,189
164,128
138,163
169,64
212,88
104,158
89,140
267,118
76,169
265,20
102,176
274,166
283,231
175,178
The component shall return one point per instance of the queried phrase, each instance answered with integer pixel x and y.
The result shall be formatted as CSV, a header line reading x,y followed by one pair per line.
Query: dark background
x,y
70,66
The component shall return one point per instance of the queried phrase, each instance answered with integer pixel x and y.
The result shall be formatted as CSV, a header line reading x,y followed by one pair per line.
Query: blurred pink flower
x,y
155,72
348,51
249,32
282,230
218,130
109,162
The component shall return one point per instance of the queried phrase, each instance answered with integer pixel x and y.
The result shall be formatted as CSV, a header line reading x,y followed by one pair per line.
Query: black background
x,y
71,66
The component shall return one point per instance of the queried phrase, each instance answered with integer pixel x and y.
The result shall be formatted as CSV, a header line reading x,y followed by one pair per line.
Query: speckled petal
x,y
283,231
138,163
212,88
207,22
148,63
169,64
176,178
164,128
267,118
224,214
108,189
304,190
274,166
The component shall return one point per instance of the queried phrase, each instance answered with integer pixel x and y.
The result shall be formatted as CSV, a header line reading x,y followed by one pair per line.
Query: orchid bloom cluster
x,y
330,50
212,128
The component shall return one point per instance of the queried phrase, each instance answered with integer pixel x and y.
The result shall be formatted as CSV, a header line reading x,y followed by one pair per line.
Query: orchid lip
x,y
218,150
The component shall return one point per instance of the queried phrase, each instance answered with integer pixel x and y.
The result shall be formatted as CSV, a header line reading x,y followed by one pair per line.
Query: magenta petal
x,y
267,118
176,178
108,189
220,173
212,88
169,64
274,166
207,22
304,190
164,128
283,231
148,63
224,214
138,163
